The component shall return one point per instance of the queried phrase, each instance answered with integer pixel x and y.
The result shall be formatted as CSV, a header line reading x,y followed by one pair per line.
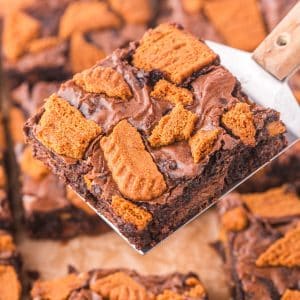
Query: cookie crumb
x,y
202,143
103,80
130,212
164,90
276,128
240,121
235,219
176,126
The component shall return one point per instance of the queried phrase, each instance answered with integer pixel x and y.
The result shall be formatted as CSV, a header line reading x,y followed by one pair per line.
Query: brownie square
x,y
120,284
154,134
10,268
6,217
260,239
51,209
45,39
284,169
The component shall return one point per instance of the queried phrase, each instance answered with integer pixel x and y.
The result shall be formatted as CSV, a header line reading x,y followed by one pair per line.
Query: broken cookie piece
x,y
68,136
103,80
174,127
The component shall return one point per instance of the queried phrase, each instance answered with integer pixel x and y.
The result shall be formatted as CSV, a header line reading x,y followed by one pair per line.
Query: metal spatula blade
x,y
262,87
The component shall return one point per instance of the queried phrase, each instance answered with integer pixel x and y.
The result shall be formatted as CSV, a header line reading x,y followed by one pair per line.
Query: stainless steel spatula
x,y
264,73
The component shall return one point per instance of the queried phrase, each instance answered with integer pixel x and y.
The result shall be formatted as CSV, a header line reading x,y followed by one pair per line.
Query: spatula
x,y
264,73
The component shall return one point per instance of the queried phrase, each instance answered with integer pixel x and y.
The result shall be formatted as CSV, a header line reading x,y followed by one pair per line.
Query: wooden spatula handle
x,y
279,53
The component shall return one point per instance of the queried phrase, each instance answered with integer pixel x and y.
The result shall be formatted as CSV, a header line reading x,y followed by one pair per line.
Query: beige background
x,y
186,250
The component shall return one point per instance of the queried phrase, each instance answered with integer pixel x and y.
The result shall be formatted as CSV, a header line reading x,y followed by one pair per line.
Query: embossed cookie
x,y
132,167
174,52
234,18
274,203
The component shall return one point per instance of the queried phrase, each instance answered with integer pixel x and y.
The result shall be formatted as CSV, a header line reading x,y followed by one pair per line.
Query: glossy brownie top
x,y
150,117
261,232
120,284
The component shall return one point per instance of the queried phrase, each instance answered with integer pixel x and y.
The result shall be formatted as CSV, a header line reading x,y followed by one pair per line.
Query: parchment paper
x,y
186,250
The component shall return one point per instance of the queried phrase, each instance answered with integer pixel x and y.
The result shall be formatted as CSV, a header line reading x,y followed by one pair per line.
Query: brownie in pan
x,y
154,134
284,169
260,241
51,209
46,39
10,268
120,284
6,217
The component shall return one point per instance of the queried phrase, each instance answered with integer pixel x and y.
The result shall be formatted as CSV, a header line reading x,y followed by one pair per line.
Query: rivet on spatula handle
x,y
279,53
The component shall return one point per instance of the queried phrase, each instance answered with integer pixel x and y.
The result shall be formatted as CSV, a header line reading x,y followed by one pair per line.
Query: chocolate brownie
x,y
260,238
120,284
51,210
46,39
284,169
10,267
6,217
154,134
